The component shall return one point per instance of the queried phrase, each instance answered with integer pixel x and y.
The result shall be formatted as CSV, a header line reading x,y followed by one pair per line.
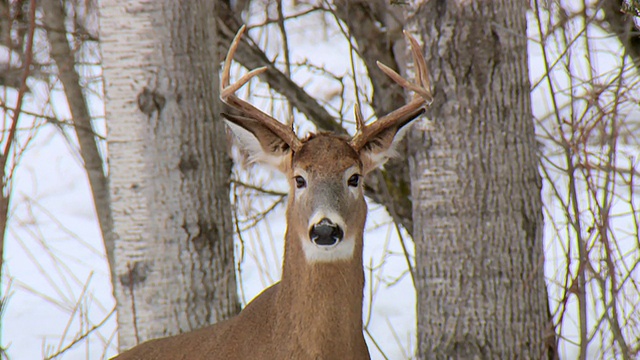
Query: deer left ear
x,y
382,147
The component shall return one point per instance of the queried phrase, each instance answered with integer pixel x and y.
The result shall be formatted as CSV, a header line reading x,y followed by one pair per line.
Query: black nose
x,y
326,233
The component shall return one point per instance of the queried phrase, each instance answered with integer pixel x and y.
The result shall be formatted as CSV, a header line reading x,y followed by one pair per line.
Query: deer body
x,y
315,311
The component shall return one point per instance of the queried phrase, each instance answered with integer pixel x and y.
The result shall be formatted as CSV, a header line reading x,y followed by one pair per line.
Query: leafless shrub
x,y
587,120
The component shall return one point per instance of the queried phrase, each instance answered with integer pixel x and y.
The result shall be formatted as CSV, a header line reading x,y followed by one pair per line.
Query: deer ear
x,y
262,144
382,147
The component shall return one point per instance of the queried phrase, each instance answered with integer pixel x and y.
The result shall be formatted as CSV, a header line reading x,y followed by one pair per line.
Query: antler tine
x,y
421,100
421,69
359,118
224,82
228,96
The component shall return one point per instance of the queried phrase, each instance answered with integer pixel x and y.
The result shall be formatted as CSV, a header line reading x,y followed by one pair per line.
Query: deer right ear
x,y
262,144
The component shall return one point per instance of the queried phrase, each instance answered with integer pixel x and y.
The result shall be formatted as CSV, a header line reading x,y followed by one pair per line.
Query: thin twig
x,y
285,51
258,188
82,336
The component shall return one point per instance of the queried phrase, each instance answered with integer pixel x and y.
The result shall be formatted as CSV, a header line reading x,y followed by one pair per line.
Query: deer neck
x,y
321,302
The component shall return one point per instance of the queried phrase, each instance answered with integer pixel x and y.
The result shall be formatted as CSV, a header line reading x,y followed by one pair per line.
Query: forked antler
x,y
248,111
421,100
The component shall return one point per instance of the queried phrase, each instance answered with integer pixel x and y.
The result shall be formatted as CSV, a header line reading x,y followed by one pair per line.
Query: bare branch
x,y
251,57
82,336
54,16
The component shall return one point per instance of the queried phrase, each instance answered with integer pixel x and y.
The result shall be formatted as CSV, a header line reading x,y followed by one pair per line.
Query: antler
x,y
248,111
421,100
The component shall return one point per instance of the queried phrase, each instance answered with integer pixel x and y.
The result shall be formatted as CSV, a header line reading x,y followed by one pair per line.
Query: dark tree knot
x,y
150,101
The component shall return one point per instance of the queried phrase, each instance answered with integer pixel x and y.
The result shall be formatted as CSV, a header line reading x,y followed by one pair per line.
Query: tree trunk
x,y
54,18
476,189
623,26
169,170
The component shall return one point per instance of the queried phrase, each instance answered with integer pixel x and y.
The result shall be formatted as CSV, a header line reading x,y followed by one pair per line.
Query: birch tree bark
x,y
169,171
476,189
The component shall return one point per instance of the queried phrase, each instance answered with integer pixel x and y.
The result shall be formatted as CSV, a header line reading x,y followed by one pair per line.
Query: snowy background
x,y
56,279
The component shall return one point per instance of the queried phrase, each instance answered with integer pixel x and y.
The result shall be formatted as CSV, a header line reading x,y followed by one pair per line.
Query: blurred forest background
x,y
508,226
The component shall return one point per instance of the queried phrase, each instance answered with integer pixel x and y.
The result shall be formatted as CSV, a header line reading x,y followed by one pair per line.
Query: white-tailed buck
x,y
315,311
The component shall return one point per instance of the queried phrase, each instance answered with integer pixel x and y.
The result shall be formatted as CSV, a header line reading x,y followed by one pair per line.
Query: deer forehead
x,y
326,155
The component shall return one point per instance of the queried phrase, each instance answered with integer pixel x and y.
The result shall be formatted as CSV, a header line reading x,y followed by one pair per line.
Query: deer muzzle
x,y
326,233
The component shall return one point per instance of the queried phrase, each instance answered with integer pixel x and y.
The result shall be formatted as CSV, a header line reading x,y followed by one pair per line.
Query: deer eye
x,y
354,180
300,182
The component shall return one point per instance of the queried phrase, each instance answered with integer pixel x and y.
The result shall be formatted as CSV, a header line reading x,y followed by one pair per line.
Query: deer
x,y
315,311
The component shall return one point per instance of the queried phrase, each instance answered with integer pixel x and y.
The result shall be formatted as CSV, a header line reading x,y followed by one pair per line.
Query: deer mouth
x,y
325,233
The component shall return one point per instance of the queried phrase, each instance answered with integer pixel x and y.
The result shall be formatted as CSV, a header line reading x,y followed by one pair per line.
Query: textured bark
x,y
476,189
12,20
54,17
622,25
169,170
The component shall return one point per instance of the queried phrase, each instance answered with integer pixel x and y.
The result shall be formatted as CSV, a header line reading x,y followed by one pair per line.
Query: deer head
x,y
326,210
